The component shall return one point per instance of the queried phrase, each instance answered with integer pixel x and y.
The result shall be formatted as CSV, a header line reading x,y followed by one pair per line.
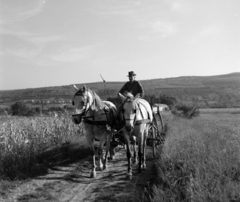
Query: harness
x,y
108,112
109,115
139,109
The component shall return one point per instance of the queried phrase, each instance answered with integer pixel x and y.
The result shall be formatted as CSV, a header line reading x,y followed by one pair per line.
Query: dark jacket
x,y
135,87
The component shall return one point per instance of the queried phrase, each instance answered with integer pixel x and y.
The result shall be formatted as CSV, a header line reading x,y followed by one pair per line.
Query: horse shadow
x,y
65,160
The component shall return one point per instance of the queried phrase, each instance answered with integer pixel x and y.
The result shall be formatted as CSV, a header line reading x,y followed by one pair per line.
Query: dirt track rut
x,y
71,183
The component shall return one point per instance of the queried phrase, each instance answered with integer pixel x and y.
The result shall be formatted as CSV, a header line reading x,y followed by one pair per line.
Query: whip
x,y
105,89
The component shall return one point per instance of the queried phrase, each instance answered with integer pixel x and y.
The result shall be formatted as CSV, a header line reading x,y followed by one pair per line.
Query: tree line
x,y
22,109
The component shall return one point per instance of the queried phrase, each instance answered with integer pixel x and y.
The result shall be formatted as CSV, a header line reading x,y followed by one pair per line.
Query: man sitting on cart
x,y
132,85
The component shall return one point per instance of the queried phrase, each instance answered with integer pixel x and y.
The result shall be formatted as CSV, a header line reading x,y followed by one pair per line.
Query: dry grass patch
x,y
200,161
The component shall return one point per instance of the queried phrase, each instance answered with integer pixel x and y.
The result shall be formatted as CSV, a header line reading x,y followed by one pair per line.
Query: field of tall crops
x,y
27,144
200,160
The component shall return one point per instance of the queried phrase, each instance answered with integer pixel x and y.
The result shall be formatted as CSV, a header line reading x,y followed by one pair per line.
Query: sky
x,y
61,42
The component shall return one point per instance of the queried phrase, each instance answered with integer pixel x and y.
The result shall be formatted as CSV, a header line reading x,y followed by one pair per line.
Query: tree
x,y
21,109
186,111
170,101
38,110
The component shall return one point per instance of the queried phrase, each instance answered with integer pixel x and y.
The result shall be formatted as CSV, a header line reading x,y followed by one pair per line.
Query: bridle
x,y
89,119
137,110
85,103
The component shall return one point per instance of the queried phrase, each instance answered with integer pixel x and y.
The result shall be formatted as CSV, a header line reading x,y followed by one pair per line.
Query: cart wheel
x,y
153,131
157,127
158,122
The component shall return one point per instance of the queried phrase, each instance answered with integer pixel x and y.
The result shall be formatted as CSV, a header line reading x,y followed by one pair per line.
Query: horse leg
x,y
129,155
134,141
109,137
100,155
124,144
112,148
112,152
139,155
144,150
92,151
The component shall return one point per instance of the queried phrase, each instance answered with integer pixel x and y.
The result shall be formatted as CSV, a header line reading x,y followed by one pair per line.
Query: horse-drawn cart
x,y
156,133
102,120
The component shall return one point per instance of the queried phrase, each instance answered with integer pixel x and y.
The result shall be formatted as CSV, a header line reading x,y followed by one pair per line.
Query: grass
x,y
220,110
200,160
28,146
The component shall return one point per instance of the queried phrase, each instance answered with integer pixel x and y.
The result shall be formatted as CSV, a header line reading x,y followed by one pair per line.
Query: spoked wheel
x,y
158,122
153,142
155,132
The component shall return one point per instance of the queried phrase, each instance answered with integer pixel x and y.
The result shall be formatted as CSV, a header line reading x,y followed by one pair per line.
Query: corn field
x,y
23,140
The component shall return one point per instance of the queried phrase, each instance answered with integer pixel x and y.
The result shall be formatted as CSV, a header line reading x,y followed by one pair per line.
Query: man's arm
x,y
123,89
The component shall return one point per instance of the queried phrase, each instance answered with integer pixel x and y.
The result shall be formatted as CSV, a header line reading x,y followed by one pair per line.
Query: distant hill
x,y
207,91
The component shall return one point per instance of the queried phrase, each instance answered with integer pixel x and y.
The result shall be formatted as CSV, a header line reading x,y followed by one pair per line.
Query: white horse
x,y
138,117
98,118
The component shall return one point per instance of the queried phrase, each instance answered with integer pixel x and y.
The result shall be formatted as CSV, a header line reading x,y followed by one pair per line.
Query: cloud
x,y
25,45
41,39
20,53
164,28
178,6
210,31
73,54
70,55
13,11
30,36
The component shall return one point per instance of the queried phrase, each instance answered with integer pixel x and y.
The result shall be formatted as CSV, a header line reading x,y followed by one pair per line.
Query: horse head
x,y
85,101
129,110
80,103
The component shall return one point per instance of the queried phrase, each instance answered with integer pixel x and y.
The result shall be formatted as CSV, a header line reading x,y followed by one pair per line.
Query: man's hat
x,y
131,74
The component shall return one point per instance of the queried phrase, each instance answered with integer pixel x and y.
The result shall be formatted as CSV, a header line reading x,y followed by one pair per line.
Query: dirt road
x,y
71,183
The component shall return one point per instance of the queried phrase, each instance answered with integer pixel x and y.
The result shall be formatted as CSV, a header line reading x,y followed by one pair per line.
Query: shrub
x,y
38,110
21,109
186,111
56,109
170,101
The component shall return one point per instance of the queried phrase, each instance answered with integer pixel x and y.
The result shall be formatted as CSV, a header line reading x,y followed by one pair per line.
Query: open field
x,y
46,159
220,110
200,160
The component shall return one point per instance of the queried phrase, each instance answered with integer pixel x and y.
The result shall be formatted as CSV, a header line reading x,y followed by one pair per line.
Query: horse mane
x,y
97,102
129,95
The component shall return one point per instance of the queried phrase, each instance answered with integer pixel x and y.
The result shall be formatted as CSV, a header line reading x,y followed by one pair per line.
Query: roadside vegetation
x,y
185,111
200,160
30,145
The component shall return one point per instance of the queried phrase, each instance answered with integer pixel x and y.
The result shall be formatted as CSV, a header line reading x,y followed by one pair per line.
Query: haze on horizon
x,y
52,43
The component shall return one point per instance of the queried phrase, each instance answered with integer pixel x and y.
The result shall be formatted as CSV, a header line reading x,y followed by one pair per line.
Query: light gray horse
x,y
138,117
98,118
